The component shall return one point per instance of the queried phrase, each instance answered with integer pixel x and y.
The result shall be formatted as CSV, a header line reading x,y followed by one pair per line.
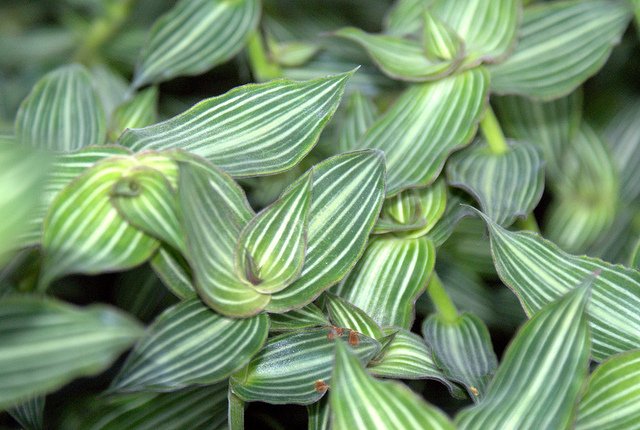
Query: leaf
x,y
73,342
388,279
83,232
215,210
140,111
405,17
319,415
538,382
346,197
195,408
30,414
110,87
453,214
296,367
173,273
271,247
291,53
298,319
440,41
561,45
539,272
487,28
426,124
507,185
359,401
397,57
360,114
193,37
62,112
414,211
344,314
253,130
187,345
462,349
611,400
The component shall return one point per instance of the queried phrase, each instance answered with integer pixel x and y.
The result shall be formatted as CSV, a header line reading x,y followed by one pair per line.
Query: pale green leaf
x,y
405,17
291,53
174,272
440,41
358,401
507,185
298,319
73,342
462,349
195,36
360,114
140,111
346,197
612,398
187,345
453,214
256,129
110,87
388,279
62,112
30,414
426,124
561,45
344,314
539,380
296,367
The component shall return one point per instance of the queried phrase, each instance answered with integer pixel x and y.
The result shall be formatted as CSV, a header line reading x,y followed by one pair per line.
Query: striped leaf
x,y
561,45
462,349
414,212
440,41
110,86
405,17
360,114
507,185
538,382
344,314
551,125
296,367
388,279
426,124
538,272
271,247
298,319
256,129
187,345
215,210
140,111
399,58
319,415
62,112
453,214
359,401
195,36
174,272
612,398
347,194
83,232
30,414
487,28
73,342
196,408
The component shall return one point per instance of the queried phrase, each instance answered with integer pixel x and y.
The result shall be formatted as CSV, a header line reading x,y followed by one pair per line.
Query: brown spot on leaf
x,y
354,339
321,386
474,391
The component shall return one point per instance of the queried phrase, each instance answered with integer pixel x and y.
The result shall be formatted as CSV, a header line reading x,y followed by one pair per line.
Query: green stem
x,y
263,68
529,223
236,412
441,299
103,29
493,133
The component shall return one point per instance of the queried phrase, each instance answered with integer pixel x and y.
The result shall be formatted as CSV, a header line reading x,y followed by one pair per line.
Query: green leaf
x,y
298,319
462,349
612,398
453,214
360,401
83,232
440,41
397,57
195,36
73,342
635,256
291,53
62,112
30,414
346,197
538,382
539,272
215,210
388,279
487,28
360,114
414,212
426,124
256,129
197,408
344,314
271,248
187,345
296,367
405,17
319,415
561,45
140,111
110,86
173,272
507,185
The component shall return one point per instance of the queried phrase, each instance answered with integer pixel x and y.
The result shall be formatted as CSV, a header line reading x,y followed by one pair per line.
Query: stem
x,y
493,133
441,299
529,223
236,412
263,68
